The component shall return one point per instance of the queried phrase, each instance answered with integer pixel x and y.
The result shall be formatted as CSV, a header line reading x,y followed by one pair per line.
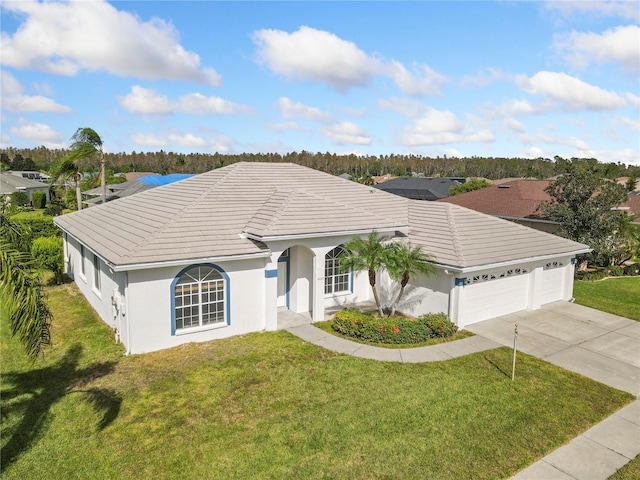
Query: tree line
x,y
163,162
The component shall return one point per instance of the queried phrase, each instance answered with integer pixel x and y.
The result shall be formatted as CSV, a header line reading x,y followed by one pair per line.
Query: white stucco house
x,y
221,253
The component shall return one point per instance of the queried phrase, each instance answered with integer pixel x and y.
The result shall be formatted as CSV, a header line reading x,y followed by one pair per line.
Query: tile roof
x,y
514,199
226,212
464,238
12,183
204,216
419,188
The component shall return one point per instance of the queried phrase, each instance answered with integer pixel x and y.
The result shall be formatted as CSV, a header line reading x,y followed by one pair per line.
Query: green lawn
x,y
619,295
269,405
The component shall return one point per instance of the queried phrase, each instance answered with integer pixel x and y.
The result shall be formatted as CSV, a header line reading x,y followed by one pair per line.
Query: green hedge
x,y
38,199
48,254
398,331
40,227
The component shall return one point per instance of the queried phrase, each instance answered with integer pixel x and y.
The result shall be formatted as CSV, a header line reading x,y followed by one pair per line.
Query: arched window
x,y
335,280
200,297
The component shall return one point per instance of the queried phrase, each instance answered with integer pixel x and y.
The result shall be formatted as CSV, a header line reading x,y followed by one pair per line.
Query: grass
x,y
631,471
617,295
269,405
28,215
459,335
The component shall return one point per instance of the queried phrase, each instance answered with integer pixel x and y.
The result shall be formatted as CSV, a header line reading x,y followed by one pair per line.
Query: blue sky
x,y
525,79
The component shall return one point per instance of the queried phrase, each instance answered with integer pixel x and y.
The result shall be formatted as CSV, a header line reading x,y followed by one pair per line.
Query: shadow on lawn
x,y
33,393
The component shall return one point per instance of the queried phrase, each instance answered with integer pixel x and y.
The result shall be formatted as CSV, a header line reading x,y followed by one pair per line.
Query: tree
x,y
630,185
404,262
585,205
21,296
65,168
87,143
366,255
469,186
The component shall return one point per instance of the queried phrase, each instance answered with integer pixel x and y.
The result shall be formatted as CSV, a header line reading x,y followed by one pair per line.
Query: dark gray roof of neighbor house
x,y
233,210
419,188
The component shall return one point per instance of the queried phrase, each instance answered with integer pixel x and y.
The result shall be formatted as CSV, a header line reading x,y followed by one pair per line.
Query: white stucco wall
x,y
100,299
424,294
150,313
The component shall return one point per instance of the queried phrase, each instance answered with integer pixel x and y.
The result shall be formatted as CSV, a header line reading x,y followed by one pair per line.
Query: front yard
x,y
269,405
618,295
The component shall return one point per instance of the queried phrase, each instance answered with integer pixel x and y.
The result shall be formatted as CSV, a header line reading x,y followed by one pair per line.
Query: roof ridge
x,y
457,248
206,191
285,199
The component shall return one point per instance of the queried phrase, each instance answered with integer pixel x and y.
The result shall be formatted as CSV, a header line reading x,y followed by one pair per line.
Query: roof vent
x,y
504,186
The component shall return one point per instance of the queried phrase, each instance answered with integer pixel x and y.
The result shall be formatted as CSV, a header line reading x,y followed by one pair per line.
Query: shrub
x,y
615,271
439,324
38,199
19,199
40,227
632,269
47,252
591,276
54,208
397,331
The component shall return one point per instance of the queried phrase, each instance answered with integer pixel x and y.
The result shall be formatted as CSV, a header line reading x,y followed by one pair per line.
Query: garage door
x,y
552,285
494,294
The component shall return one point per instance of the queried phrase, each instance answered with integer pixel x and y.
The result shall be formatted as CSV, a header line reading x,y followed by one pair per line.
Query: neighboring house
x,y
10,183
515,200
420,188
31,175
219,254
120,190
518,201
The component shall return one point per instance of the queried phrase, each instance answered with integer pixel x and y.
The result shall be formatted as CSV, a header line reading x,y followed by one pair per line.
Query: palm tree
x,y
23,303
366,255
404,262
86,143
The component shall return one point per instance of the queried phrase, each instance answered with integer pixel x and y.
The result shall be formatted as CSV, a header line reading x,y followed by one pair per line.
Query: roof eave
x,y
538,258
189,261
302,236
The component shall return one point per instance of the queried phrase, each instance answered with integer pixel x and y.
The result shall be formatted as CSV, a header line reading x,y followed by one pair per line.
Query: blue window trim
x,y
227,295
286,258
270,273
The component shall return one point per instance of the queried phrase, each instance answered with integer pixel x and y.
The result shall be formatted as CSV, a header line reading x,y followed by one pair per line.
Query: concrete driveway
x,y
596,344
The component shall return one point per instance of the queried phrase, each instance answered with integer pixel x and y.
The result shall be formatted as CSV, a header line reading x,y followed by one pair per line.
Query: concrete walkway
x,y
596,344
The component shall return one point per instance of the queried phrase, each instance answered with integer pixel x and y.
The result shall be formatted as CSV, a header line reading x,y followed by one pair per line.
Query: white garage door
x,y
552,284
494,294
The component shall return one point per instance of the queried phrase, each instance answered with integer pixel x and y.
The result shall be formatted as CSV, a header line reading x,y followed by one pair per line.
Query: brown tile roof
x,y
513,199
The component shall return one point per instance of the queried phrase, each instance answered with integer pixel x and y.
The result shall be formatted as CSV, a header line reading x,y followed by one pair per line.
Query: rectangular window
x,y
82,269
96,272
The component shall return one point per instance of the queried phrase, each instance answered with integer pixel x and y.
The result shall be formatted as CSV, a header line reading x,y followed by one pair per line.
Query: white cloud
x,y
346,133
514,125
620,45
283,126
214,142
438,127
13,100
37,133
570,91
423,81
148,102
621,9
404,106
317,55
290,109
482,78
66,37
633,99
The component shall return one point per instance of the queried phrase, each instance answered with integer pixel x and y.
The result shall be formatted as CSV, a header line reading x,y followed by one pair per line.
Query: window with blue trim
x,y
200,298
335,279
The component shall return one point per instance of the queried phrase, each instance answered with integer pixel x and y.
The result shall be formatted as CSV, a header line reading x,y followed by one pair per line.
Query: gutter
x,y
477,268
189,261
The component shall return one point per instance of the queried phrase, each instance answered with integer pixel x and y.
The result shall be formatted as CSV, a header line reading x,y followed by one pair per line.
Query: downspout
x,y
126,312
451,291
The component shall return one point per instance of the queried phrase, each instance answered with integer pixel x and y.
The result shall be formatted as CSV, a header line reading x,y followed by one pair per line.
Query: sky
x,y
503,79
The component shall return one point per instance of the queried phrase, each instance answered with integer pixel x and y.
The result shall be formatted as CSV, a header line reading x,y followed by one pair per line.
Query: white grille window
x,y
199,296
485,277
335,280
552,265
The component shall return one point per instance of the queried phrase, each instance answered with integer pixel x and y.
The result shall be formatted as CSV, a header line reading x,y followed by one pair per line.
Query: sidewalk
x,y
596,344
